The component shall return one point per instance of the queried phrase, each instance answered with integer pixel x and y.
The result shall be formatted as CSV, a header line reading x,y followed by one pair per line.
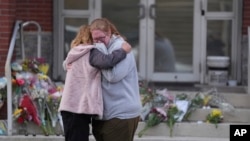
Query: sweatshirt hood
x,y
77,52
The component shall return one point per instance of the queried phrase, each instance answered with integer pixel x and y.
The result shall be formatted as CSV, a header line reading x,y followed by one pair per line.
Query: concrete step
x,y
236,116
238,100
188,130
145,138
182,129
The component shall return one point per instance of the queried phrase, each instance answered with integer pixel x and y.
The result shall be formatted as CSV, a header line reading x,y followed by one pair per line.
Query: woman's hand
x,y
126,47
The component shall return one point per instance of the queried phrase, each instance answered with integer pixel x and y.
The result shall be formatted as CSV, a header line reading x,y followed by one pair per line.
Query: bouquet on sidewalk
x,y
35,94
159,106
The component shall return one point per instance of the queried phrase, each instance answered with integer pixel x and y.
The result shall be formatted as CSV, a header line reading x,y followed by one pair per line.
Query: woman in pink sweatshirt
x,y
82,94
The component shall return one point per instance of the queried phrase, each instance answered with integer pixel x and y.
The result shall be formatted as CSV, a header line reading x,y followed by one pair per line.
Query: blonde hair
x,y
83,36
104,25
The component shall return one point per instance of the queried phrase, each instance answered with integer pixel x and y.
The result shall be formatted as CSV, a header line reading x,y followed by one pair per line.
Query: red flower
x,y
26,103
20,120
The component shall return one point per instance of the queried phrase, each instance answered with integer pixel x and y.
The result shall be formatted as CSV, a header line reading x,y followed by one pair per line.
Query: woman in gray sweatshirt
x,y
120,88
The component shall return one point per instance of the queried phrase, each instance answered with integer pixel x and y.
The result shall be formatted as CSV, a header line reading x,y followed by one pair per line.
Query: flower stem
x,y
143,131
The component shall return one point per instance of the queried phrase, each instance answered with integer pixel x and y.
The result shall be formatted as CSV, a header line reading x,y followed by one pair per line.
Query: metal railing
x,y
19,25
248,69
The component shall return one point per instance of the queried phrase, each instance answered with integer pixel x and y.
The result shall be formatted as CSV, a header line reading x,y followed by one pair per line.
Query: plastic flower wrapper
x,y
146,110
215,117
182,105
155,117
18,83
27,103
162,97
146,93
217,100
3,82
194,103
39,96
52,103
3,91
173,114
15,66
25,113
3,127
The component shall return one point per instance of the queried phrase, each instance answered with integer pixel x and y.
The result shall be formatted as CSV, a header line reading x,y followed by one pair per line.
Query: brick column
x,y
7,19
246,16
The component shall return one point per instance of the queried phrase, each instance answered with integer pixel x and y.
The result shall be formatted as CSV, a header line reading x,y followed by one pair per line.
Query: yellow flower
x,y
17,112
216,113
206,100
215,117
42,76
44,68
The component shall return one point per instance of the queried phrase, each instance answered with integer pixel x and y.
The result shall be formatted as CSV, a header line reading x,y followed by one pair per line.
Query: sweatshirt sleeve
x,y
106,61
121,70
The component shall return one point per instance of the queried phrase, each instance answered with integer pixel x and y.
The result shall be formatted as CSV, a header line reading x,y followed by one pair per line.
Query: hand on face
x,y
100,37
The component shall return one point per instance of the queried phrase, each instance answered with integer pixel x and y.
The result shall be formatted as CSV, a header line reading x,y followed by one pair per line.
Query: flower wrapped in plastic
x,y
155,117
3,91
215,117
172,117
217,100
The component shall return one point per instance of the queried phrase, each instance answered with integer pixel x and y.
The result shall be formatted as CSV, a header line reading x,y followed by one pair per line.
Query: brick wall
x,y
7,17
36,10
246,16
11,10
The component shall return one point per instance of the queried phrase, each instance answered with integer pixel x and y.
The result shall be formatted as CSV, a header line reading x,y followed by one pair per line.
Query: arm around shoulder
x,y
106,61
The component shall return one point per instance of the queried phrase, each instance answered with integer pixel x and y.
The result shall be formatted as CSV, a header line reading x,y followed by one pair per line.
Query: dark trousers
x,y
115,129
76,126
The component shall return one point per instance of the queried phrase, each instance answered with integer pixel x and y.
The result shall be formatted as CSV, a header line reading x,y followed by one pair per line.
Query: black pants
x,y
76,126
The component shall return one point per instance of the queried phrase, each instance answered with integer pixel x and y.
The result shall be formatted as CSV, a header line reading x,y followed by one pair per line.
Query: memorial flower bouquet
x,y
30,81
158,107
172,117
3,91
155,117
215,117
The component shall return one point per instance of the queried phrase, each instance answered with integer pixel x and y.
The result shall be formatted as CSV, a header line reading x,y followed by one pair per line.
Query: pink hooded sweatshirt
x,y
82,92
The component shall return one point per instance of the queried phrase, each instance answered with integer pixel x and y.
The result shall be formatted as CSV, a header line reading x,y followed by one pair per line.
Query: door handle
x,y
142,11
202,2
152,11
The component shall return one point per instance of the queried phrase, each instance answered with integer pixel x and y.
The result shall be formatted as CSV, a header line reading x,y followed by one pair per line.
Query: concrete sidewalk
x,y
144,138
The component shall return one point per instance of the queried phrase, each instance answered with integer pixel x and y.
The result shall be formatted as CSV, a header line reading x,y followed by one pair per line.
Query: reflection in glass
x,y
220,5
174,36
76,4
219,37
71,26
126,20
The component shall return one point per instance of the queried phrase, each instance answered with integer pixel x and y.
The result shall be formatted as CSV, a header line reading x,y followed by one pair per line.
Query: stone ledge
x,y
144,138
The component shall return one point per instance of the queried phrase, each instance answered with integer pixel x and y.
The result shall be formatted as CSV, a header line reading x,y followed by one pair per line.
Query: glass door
x,y
172,47
162,35
70,15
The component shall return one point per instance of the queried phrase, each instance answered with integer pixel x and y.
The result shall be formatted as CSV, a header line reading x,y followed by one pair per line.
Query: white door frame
x,y
60,13
147,52
235,52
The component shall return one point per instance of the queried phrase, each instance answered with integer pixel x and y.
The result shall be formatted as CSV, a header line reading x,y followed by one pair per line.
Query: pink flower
x,y
160,111
20,82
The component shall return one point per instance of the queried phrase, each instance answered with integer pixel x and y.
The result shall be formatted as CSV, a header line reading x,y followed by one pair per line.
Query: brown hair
x,y
82,37
105,25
